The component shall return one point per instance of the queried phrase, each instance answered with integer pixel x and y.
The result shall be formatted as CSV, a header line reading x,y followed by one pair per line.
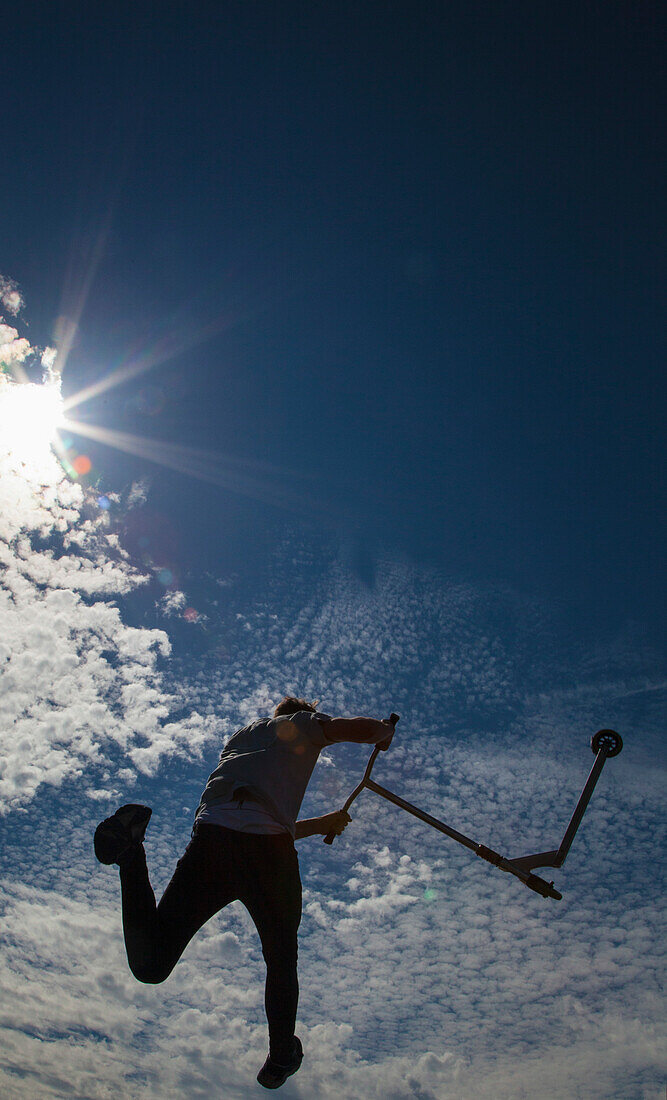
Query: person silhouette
x,y
242,848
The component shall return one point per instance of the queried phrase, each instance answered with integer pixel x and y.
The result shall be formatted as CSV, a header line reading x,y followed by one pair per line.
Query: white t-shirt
x,y
270,763
245,816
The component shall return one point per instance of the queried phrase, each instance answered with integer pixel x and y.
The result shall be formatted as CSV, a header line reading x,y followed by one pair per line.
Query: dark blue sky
x,y
431,237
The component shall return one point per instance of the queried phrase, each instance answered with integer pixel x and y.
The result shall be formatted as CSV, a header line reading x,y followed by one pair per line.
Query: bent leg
x,y
272,896
157,935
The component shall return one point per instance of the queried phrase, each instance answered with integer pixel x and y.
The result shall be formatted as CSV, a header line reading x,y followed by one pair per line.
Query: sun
x,y
30,416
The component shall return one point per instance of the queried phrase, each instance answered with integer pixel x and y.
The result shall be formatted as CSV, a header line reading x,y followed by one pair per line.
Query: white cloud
x,y
49,356
10,295
13,348
138,494
173,602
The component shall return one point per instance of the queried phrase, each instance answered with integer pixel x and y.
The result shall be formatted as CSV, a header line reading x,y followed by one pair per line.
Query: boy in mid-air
x,y
242,848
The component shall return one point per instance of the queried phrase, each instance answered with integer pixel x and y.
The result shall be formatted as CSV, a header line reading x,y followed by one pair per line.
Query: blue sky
x,y
357,312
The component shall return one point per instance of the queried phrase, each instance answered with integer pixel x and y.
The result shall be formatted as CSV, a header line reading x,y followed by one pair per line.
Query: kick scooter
x,y
605,743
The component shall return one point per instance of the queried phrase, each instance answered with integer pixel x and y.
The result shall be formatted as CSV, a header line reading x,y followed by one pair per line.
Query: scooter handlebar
x,y
384,745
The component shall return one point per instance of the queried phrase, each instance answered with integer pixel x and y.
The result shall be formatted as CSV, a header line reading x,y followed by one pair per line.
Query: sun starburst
x,y
30,416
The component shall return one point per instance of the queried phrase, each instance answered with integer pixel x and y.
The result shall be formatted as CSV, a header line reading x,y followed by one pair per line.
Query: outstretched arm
x,y
365,731
320,826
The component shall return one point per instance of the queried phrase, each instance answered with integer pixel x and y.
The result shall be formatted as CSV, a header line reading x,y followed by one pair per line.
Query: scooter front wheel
x,y
611,741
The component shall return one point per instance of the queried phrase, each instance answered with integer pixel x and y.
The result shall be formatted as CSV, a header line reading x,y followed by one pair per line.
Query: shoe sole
x,y
279,1080
117,834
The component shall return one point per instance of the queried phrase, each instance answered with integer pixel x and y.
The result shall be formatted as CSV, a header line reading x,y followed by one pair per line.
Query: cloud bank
x,y
78,686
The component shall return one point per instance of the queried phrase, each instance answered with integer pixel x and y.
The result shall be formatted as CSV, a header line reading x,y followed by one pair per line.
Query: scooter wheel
x,y
609,740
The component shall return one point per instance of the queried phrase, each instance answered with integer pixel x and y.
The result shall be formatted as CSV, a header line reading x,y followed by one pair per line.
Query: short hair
x,y
291,705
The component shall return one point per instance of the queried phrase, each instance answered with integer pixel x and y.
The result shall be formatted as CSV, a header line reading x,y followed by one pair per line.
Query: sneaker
x,y
122,833
274,1074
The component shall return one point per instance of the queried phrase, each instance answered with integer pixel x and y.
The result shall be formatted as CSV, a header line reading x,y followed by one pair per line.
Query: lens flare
x,y
82,465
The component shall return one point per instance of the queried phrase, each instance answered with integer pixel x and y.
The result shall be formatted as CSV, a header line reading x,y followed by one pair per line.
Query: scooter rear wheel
x,y
608,739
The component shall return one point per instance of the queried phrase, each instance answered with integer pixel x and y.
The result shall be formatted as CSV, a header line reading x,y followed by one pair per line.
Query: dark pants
x,y
219,866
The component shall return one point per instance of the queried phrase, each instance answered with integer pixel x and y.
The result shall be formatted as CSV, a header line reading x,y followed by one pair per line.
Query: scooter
x,y
604,744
